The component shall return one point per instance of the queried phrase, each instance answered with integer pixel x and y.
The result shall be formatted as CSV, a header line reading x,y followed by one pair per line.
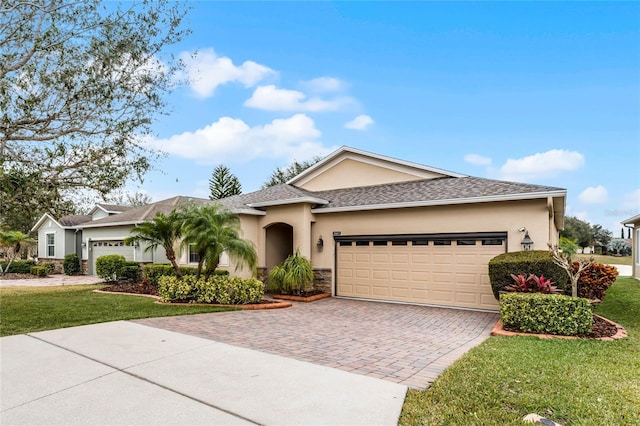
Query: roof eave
x,y
631,220
103,225
445,202
308,200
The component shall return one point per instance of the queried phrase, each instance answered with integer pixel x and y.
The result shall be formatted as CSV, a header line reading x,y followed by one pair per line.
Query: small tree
x,y
564,261
163,231
619,246
293,276
12,245
223,183
568,246
294,169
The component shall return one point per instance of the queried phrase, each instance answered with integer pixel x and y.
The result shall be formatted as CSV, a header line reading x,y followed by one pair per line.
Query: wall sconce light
x,y
84,244
320,243
527,242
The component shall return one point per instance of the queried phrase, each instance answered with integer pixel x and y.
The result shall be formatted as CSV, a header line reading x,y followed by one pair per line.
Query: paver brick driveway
x,y
405,344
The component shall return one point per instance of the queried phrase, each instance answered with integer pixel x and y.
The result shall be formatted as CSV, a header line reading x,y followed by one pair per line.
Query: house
x,y
380,228
57,238
634,223
374,227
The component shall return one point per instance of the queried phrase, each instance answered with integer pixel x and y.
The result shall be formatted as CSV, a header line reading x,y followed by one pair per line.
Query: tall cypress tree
x,y
223,183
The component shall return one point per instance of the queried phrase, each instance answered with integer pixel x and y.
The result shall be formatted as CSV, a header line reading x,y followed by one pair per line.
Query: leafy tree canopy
x,y
294,169
80,86
583,233
223,183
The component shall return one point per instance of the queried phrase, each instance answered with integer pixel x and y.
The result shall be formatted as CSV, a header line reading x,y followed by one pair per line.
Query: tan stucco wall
x,y
350,173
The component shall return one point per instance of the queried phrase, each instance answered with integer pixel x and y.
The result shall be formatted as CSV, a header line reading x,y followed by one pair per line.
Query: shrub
x,y
618,246
50,267
293,277
537,262
110,267
19,266
546,313
39,271
153,271
531,284
217,289
595,280
132,271
568,246
71,264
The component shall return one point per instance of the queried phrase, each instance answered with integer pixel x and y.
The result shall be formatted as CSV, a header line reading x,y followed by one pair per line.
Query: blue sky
x,y
545,93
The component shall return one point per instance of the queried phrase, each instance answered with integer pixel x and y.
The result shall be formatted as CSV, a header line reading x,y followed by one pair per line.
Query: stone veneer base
x,y
498,330
302,298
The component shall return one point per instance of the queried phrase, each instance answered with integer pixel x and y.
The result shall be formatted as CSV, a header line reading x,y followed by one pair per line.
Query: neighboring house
x,y
386,229
374,227
59,237
634,223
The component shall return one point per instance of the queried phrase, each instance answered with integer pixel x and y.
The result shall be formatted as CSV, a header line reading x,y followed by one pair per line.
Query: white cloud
x,y
233,140
541,165
205,71
582,215
361,122
271,98
594,195
324,84
632,201
477,160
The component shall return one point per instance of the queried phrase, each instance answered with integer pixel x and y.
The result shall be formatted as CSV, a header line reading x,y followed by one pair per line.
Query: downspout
x,y
551,220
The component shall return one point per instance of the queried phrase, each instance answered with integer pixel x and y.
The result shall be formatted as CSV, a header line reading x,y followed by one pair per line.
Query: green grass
x,y
27,309
608,260
574,382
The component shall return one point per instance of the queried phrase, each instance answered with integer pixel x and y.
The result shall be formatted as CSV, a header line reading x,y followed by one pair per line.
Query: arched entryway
x,y
279,244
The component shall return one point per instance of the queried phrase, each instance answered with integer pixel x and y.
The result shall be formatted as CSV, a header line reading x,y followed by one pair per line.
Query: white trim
x,y
311,200
43,218
47,245
452,201
310,173
102,225
631,220
249,211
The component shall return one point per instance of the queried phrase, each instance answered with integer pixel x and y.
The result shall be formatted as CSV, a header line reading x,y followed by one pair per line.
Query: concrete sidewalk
x,y
51,280
127,373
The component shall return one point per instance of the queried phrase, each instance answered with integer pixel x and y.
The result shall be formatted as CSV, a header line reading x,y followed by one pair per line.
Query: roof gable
x,y
42,220
349,167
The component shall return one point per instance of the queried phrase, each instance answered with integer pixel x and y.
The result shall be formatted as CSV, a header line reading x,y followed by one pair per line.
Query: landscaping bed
x,y
602,329
305,296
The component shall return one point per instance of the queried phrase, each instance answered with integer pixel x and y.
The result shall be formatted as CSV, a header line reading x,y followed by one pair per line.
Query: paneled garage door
x,y
102,248
435,269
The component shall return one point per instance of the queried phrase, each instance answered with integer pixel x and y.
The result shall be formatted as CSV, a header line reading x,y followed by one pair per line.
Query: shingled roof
x,y
143,213
73,220
446,190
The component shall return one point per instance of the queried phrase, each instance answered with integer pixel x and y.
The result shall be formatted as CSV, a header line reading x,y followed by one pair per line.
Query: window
x,y
194,256
441,242
224,259
466,242
379,243
345,243
493,242
399,243
51,245
420,242
362,243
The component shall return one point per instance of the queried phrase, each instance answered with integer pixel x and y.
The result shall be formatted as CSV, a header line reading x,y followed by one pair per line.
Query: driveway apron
x,y
405,344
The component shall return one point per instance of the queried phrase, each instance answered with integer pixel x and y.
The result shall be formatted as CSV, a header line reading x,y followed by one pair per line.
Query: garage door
x,y
102,248
434,269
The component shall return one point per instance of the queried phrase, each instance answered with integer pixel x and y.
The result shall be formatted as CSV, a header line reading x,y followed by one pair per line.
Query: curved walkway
x,y
404,344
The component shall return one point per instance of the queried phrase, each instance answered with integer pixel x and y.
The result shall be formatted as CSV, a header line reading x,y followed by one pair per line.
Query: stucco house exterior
x,y
634,223
374,227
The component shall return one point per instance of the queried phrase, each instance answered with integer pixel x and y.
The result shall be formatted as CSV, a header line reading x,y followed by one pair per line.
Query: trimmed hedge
x,y
153,271
110,267
39,271
132,271
536,262
50,267
71,264
217,289
19,266
546,313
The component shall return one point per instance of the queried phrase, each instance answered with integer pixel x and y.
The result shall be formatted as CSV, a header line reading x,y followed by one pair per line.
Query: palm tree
x,y
11,244
163,231
210,231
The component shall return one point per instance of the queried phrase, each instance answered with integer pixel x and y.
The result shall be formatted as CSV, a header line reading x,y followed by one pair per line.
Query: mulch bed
x,y
135,288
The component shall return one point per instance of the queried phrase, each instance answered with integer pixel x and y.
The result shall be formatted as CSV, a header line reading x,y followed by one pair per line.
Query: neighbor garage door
x,y
435,269
101,248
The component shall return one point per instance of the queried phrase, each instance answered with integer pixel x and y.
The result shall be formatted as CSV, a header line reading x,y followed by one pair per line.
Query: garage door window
x,y
379,243
493,242
466,242
441,242
362,243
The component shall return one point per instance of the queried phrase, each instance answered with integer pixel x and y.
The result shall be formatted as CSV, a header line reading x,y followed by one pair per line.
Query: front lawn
x,y
27,309
574,382
606,259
